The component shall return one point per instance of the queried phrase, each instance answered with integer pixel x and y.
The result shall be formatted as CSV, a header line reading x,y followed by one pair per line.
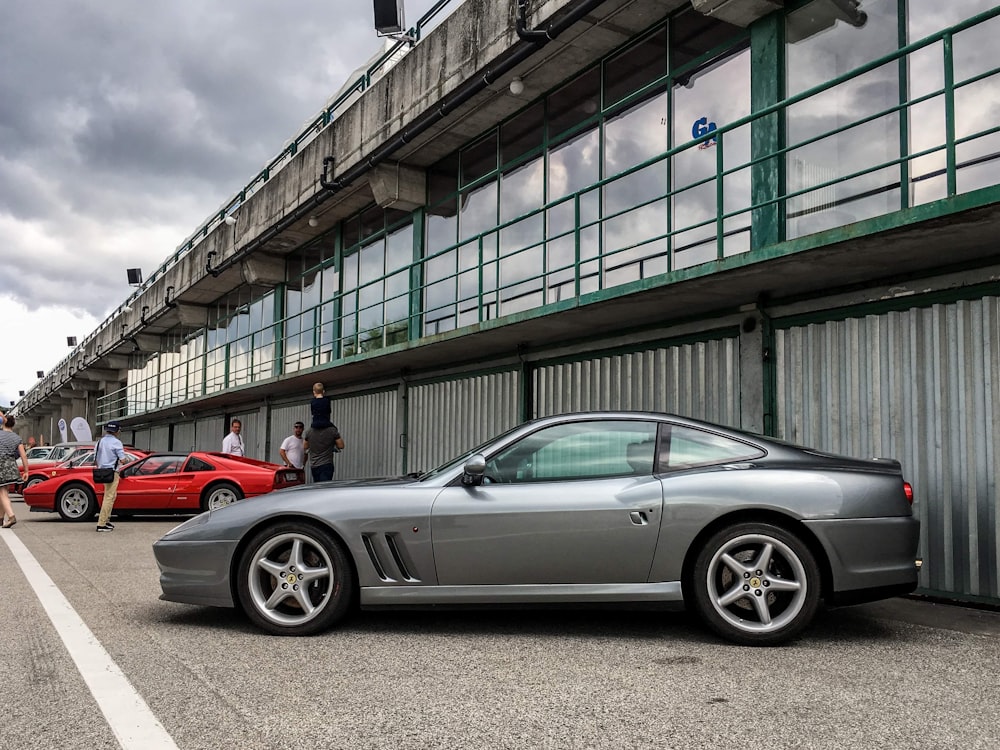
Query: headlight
x,y
198,520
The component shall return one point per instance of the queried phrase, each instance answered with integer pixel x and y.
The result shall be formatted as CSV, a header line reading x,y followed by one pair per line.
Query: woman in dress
x,y
10,447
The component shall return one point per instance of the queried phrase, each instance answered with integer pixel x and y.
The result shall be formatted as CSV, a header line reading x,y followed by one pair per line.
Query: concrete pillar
x,y
752,372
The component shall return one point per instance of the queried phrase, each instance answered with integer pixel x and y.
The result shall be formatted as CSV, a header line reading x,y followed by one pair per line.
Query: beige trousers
x,y
110,492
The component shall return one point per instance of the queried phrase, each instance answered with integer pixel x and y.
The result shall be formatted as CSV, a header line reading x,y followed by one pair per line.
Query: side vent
x,y
389,558
376,563
390,539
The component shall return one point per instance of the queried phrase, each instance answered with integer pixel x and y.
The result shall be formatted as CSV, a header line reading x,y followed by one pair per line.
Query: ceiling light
x,y
230,219
313,221
516,86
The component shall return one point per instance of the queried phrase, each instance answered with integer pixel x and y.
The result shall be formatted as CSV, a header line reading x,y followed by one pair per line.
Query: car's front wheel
x,y
295,579
32,481
220,495
756,584
76,502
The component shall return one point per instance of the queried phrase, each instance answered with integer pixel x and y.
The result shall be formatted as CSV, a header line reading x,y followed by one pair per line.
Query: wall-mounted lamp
x,y
134,276
230,220
20,393
166,298
71,341
313,221
516,86
40,374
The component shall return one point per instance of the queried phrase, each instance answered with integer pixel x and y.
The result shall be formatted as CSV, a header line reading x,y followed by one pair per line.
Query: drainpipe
x,y
532,41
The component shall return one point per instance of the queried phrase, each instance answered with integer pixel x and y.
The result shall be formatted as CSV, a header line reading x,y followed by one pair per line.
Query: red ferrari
x,y
163,483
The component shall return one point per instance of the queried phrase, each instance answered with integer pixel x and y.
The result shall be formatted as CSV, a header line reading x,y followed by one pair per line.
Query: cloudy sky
x,y
124,125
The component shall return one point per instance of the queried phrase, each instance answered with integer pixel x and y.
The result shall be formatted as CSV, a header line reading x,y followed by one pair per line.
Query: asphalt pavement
x,y
898,674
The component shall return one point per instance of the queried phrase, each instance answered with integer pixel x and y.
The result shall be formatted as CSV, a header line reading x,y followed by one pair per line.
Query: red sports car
x,y
163,483
81,457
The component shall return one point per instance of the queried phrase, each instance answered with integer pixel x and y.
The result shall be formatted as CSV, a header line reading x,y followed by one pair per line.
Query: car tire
x,y
76,502
756,584
32,481
295,578
220,495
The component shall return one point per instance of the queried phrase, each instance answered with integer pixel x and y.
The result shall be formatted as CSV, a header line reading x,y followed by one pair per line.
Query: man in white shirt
x,y
233,442
292,451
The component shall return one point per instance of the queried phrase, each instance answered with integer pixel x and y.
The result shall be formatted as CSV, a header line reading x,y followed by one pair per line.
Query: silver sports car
x,y
601,507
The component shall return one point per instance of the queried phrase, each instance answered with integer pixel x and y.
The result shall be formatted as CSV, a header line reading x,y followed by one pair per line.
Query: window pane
x,y
522,189
693,34
577,451
479,210
635,135
638,66
575,102
522,133
479,159
691,447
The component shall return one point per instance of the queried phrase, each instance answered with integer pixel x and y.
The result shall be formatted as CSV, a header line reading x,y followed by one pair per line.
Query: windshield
x,y
456,462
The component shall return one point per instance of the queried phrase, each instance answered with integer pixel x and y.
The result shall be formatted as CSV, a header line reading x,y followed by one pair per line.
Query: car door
x,y
149,484
570,503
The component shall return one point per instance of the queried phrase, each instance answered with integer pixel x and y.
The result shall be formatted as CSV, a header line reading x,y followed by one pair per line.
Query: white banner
x,y
62,430
81,430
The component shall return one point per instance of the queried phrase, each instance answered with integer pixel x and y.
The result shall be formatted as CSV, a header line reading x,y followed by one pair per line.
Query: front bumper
x,y
195,572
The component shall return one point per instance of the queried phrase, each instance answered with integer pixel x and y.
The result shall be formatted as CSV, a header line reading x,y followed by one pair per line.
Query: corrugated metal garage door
x,y
209,432
159,438
183,437
370,426
699,379
139,439
447,418
919,385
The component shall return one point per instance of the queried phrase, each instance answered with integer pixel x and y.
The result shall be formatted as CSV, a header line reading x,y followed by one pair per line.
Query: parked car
x,y
611,507
39,452
81,459
163,483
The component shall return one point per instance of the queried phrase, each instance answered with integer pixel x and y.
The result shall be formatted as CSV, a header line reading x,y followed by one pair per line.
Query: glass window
x,y
578,450
688,447
822,45
694,34
479,159
705,100
575,102
636,67
522,133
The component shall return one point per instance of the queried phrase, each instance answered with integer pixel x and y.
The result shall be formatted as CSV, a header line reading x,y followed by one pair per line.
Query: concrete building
x,y
775,215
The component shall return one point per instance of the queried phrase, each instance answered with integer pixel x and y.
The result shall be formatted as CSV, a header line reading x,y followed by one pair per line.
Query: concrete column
x,y
752,372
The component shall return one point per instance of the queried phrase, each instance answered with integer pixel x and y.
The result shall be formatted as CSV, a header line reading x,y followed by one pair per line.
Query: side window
x,y
196,464
581,450
688,447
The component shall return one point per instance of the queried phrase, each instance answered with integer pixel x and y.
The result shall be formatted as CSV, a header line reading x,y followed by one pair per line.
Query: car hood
x,y
363,482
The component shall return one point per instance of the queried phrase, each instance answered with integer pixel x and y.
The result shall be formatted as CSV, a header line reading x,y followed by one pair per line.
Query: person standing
x,y
10,447
320,444
292,450
233,442
107,454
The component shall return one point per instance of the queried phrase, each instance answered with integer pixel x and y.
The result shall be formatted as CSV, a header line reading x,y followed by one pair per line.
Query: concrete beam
x,y
193,316
266,270
395,185
737,12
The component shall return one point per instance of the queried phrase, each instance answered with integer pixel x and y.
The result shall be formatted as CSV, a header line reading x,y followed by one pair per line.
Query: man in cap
x,y
107,454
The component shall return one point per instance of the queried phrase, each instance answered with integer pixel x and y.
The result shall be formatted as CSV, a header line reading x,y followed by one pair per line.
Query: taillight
x,y
908,491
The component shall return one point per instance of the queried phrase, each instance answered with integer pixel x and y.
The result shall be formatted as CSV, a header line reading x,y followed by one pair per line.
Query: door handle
x,y
638,518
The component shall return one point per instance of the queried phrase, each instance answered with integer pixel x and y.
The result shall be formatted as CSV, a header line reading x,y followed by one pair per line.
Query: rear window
x,y
688,447
196,464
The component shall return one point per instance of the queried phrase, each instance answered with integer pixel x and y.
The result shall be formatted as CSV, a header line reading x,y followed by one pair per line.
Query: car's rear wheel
x,y
219,495
756,584
76,502
295,579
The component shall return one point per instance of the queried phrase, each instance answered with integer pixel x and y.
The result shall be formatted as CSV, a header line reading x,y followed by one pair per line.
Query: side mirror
x,y
474,470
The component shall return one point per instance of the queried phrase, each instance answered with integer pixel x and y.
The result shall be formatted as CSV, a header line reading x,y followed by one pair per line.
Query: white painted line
x,y
134,725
